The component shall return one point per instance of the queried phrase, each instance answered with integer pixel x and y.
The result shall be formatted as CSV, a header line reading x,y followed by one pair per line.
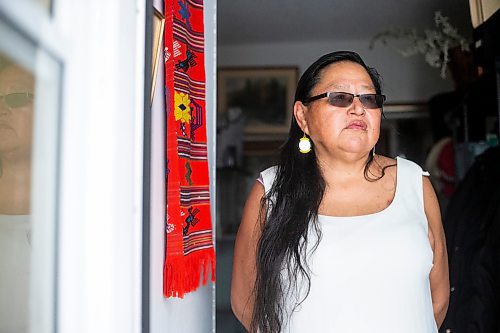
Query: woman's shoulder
x,y
385,165
267,176
399,162
385,161
271,171
412,166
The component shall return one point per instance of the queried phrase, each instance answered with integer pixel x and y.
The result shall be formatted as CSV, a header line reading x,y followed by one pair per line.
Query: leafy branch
x,y
434,44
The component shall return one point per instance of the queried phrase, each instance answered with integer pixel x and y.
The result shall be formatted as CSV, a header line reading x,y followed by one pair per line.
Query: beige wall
x,y
404,79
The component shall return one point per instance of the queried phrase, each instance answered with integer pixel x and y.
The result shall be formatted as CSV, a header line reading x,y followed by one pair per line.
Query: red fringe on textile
x,y
182,279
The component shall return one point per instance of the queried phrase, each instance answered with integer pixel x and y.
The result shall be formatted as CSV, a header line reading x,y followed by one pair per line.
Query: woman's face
x,y
16,111
352,129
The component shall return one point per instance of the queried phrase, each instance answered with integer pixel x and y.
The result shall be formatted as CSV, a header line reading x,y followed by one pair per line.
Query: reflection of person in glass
x,y
16,117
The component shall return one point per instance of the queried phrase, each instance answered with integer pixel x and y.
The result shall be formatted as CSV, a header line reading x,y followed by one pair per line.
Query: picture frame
x,y
263,95
158,28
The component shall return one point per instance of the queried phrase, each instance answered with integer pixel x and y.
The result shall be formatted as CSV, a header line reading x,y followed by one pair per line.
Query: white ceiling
x,y
263,21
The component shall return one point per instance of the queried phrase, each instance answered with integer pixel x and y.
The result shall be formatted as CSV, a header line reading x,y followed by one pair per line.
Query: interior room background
x,y
258,36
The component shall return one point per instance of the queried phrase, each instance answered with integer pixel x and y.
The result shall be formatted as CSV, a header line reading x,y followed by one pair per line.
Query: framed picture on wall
x,y
262,95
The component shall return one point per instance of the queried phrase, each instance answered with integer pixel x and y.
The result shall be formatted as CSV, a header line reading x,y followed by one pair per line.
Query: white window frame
x,y
101,46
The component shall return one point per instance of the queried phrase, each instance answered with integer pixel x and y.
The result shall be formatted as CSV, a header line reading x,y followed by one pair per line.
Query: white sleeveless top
x,y
370,273
15,256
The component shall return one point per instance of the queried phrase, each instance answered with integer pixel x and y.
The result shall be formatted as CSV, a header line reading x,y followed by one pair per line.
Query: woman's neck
x,y
343,167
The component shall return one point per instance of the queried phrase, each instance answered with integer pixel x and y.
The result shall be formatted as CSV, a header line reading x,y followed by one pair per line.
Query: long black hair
x,y
289,209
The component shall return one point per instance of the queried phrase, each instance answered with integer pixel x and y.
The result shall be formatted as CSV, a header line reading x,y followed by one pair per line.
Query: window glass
x,y
29,104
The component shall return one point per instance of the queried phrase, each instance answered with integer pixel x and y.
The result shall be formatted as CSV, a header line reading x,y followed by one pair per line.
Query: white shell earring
x,y
304,144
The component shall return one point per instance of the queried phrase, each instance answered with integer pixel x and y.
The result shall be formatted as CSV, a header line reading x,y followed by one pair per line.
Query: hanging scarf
x,y
189,247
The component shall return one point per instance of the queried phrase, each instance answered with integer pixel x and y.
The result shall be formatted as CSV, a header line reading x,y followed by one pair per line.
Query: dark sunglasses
x,y
343,99
17,100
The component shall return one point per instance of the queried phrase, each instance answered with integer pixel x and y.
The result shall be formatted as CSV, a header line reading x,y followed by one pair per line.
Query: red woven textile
x,y
189,247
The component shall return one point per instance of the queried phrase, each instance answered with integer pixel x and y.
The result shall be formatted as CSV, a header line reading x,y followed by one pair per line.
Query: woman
x,y
336,238
16,126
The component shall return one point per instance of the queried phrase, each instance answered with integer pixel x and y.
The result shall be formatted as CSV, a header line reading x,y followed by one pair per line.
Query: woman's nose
x,y
4,108
357,107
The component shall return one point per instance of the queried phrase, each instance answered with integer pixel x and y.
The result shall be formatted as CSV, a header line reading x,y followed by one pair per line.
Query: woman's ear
x,y
299,112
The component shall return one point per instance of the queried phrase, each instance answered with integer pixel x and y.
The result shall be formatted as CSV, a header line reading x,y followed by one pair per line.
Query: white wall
x,y
404,79
196,312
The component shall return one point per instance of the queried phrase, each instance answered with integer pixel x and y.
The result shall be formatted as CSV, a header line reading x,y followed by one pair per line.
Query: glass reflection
x,y
16,130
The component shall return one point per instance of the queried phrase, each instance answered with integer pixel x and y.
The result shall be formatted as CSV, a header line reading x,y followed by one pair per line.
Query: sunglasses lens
x,y
18,100
372,101
340,99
